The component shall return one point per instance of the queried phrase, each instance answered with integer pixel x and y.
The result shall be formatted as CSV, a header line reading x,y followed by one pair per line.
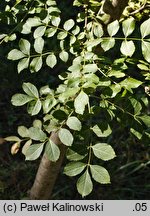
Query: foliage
x,y
94,93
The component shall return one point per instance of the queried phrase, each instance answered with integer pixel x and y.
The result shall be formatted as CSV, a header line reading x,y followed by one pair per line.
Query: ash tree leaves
x,y
127,48
51,60
69,24
37,134
103,151
31,97
22,54
74,123
34,151
100,174
128,26
80,102
65,136
20,99
84,184
30,90
52,151
74,168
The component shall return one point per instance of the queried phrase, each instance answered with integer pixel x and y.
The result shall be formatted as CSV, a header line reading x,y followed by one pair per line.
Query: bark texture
x,y
47,173
114,8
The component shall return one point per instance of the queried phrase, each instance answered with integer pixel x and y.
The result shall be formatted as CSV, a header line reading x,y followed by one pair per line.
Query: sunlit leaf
x,y
52,151
100,174
65,137
103,151
84,184
74,168
34,151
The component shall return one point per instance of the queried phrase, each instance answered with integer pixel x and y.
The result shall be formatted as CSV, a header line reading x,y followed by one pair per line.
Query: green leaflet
x,y
145,30
23,64
34,107
74,156
51,60
34,151
63,55
37,134
36,64
65,137
103,151
100,174
80,102
39,44
20,99
74,168
55,21
52,151
30,90
23,131
74,123
127,48
113,28
101,131
84,184
69,24
24,46
15,55
128,26
145,50
107,44
39,32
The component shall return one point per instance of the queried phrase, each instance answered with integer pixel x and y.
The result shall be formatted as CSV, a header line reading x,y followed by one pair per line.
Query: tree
x,y
97,91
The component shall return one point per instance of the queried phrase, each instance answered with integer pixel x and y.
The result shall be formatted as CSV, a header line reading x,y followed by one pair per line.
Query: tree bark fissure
x,y
47,173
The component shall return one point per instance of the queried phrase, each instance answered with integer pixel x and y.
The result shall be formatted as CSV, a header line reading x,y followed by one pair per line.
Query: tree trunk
x,y
47,173
114,8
